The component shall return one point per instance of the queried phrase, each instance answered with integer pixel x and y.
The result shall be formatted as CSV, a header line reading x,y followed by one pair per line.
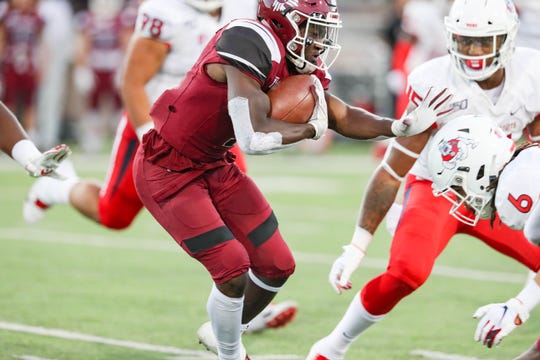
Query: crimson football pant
x,y
218,216
119,202
424,230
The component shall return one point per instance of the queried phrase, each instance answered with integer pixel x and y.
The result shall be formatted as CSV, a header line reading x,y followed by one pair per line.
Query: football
x,y
292,99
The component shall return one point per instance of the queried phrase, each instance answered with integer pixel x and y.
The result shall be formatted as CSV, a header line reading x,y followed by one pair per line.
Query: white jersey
x,y
518,190
513,106
184,29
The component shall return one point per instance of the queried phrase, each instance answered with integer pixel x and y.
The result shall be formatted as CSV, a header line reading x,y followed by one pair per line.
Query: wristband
x,y
361,239
24,151
143,129
530,295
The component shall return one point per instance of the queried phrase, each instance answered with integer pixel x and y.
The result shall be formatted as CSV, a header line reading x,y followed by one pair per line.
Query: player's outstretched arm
x,y
360,124
378,198
14,142
11,131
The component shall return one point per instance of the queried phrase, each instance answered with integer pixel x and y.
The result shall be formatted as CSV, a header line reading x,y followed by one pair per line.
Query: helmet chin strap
x,y
301,66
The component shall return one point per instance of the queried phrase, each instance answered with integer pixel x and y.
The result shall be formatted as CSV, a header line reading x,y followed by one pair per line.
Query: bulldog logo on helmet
x,y
455,150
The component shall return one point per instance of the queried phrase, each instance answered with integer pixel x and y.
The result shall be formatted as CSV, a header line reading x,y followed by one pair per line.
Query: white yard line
x,y
183,354
28,357
124,242
180,354
436,355
69,335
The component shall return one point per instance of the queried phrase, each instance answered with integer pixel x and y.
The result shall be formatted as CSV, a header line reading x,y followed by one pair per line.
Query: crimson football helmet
x,y
490,24
301,23
464,157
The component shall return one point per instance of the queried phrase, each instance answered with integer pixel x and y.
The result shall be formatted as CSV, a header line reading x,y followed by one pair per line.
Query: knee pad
x,y
380,295
225,261
273,259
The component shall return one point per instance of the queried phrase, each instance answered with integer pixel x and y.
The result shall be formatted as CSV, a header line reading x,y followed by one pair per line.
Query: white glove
x,y
46,163
424,115
498,320
344,266
319,118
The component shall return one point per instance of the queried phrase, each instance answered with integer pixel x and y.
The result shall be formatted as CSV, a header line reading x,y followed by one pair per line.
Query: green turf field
x,y
72,290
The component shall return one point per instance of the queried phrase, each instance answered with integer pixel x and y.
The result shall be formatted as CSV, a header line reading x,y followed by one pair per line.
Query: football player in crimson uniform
x,y
183,169
488,76
167,40
21,29
474,166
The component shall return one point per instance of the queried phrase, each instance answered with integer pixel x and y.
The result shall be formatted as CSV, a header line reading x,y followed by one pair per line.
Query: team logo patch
x,y
455,150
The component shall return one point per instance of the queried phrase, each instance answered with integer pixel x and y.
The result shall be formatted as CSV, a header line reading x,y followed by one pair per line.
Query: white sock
x,y
226,316
355,321
53,191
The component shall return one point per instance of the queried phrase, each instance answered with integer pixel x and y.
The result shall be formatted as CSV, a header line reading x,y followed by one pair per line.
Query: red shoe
x,y
318,348
281,314
275,315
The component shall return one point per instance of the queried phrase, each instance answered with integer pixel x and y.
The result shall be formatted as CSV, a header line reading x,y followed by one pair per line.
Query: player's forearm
x,y
10,130
360,124
378,197
137,104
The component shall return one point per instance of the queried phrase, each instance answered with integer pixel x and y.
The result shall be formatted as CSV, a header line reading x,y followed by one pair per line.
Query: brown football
x,y
292,99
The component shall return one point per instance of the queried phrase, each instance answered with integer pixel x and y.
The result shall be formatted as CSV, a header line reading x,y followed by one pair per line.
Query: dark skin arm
x,y
534,127
354,122
11,130
142,62
347,120
382,187
241,85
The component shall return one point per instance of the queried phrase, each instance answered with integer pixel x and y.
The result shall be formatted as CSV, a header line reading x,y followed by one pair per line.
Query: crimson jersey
x,y
248,45
23,32
106,51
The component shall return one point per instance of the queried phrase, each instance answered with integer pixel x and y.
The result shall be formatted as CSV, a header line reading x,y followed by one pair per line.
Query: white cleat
x,y
34,207
275,315
47,191
319,351
206,337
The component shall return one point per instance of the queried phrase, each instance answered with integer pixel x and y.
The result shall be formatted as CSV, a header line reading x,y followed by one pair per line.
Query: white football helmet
x,y
464,157
490,24
208,6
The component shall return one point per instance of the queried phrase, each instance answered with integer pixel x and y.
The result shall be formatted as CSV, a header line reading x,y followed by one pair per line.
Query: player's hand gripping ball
x,y
292,99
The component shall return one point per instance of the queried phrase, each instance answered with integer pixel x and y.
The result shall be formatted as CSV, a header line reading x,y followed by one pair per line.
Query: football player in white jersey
x,y
487,76
473,164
